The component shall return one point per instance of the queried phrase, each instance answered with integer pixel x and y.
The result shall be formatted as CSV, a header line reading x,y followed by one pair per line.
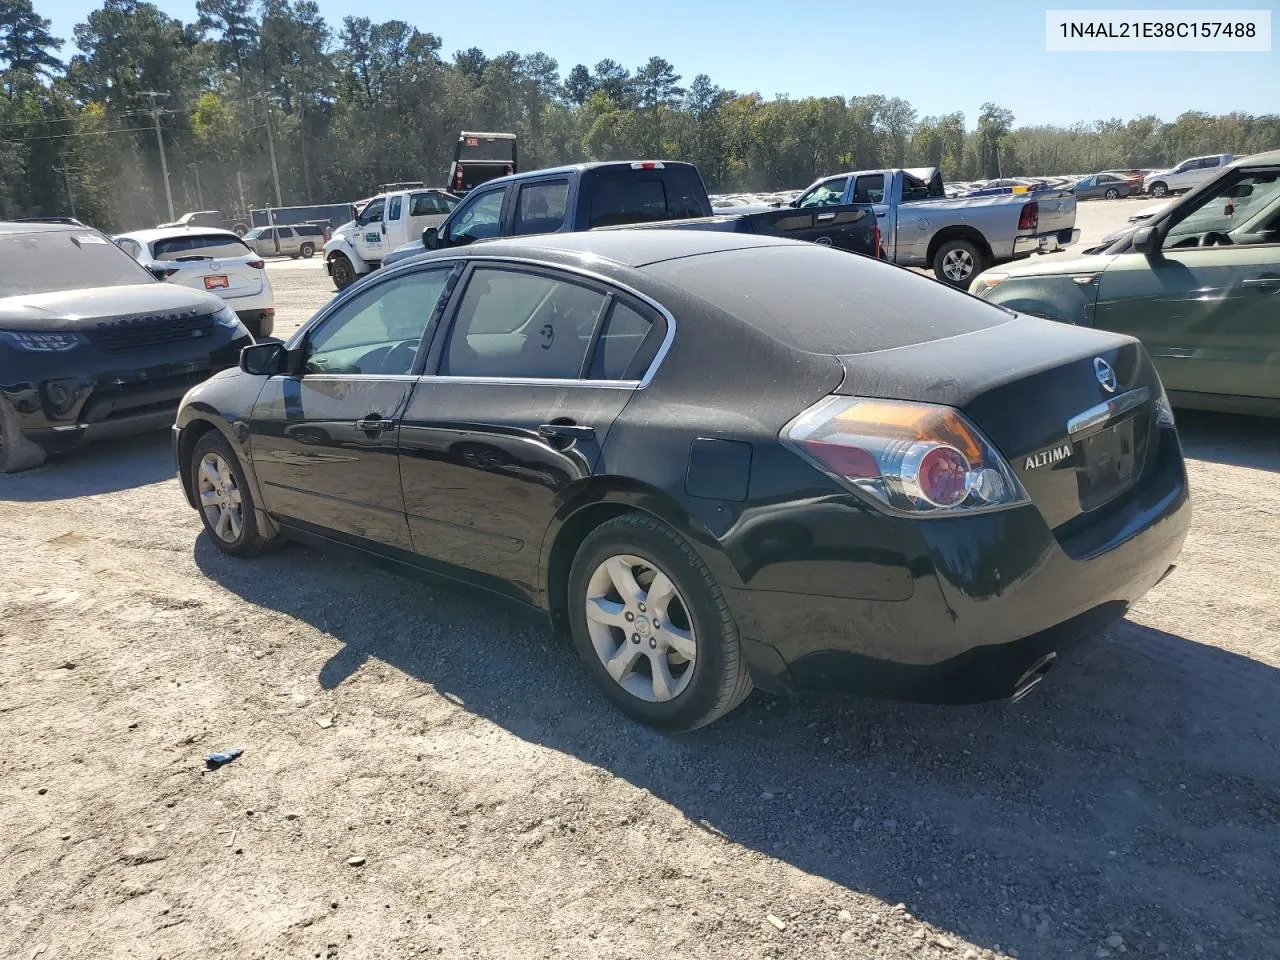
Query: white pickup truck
x,y
387,221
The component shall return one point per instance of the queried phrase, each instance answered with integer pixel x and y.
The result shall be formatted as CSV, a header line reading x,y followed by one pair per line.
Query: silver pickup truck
x,y
958,239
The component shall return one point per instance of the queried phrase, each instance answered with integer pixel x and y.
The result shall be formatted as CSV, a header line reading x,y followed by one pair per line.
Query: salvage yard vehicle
x,y
959,237
300,240
387,221
1107,186
214,260
631,193
1187,174
1198,283
209,218
92,345
886,486
479,158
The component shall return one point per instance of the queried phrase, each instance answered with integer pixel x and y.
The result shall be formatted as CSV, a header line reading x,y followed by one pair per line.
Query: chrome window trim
x,y
608,282
1096,416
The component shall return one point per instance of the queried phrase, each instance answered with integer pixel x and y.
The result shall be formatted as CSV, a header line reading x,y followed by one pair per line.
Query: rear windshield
x,y
828,302
197,246
485,148
33,263
644,196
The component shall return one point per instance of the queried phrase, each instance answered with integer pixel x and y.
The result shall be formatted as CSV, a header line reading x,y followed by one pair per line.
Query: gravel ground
x,y
428,773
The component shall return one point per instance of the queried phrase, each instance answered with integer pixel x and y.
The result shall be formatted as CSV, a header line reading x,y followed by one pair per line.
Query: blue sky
x,y
941,56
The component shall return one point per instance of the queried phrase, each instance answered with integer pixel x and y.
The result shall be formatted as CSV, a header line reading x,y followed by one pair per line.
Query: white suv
x,y
1187,174
207,259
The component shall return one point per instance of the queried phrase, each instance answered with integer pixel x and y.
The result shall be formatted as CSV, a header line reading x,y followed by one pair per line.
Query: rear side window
x,y
426,205
625,196
197,246
514,324
286,233
628,343
869,189
540,206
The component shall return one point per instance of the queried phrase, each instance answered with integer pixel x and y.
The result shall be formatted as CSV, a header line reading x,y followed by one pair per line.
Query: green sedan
x,y
1198,284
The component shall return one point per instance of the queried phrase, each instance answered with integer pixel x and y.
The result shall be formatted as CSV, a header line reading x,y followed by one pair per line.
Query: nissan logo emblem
x,y
1106,376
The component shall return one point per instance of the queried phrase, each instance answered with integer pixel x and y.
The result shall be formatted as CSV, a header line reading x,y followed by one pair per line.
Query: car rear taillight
x,y
258,264
875,238
457,177
913,459
1030,216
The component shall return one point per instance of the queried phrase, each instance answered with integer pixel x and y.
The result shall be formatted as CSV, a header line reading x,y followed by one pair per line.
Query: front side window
x,y
540,207
829,193
393,212
1245,210
378,331
373,212
480,218
46,262
516,324
197,246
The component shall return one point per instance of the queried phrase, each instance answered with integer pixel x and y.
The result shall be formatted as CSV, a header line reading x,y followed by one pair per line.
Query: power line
x,y
85,133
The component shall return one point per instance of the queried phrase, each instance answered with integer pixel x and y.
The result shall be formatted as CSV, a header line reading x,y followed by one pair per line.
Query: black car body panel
x,y
828,590
139,347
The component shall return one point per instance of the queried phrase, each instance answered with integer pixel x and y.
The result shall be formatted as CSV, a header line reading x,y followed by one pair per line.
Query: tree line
x,y
255,91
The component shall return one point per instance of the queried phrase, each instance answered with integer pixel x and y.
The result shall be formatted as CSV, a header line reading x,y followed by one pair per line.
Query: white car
x,y
217,261
1187,174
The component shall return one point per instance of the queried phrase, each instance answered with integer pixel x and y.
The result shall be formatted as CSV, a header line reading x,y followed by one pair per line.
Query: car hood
x,y
85,309
1054,267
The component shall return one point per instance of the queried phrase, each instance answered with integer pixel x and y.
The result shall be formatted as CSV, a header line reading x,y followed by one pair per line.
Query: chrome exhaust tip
x,y
1032,677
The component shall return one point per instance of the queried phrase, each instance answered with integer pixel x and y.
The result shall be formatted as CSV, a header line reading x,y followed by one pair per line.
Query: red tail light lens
x,y
1030,216
258,264
457,177
876,240
914,459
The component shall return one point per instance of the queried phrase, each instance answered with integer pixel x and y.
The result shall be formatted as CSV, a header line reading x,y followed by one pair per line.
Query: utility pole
x,y
66,173
199,193
244,208
271,145
153,95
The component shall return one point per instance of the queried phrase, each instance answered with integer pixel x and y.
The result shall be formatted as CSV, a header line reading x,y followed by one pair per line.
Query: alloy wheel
x,y
640,628
957,264
220,498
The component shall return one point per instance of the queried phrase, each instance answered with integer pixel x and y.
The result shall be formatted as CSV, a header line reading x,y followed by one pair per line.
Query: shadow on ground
x,y
1139,792
94,469
1234,440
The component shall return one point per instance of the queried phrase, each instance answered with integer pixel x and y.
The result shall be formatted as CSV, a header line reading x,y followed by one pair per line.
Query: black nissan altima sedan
x,y
720,461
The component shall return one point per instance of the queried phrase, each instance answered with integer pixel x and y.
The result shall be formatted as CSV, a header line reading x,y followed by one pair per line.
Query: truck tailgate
x,y
1057,210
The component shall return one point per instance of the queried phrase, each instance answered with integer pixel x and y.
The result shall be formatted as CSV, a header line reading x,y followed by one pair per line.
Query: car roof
x,y
1267,158
581,168
165,233
11,226
633,248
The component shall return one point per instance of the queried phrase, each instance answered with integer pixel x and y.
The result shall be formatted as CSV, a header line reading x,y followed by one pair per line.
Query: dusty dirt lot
x,y
428,773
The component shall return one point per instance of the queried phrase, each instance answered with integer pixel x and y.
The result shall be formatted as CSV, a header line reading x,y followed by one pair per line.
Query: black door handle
x,y
566,431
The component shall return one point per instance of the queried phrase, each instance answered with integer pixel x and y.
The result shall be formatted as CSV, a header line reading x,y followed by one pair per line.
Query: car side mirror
x,y
264,359
160,273
431,238
1146,240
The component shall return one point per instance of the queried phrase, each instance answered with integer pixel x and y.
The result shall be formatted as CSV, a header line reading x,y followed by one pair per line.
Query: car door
x,y
368,236
821,216
323,442
534,369
288,241
1206,306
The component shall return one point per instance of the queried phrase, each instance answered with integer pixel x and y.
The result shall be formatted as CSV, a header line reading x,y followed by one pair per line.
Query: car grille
x,y
150,332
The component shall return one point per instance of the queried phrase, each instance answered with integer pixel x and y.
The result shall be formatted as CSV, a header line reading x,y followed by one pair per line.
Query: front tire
x,y
1159,189
1112,193
16,451
225,502
343,273
308,250
652,626
957,262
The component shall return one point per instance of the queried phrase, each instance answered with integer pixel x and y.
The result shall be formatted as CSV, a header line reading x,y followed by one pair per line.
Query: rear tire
x,y
674,658
342,272
1159,189
224,500
957,262
16,451
308,250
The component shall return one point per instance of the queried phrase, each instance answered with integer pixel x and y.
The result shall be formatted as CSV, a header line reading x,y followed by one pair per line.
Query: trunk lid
x,y
1035,389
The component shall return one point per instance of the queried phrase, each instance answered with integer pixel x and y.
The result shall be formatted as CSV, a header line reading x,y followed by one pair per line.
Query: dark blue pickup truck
x,y
642,193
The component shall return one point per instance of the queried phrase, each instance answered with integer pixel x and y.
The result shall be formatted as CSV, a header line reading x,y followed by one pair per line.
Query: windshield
x,y
500,149
32,263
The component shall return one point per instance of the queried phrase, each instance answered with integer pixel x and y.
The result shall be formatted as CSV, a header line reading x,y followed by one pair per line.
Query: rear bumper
x,y
976,601
1044,243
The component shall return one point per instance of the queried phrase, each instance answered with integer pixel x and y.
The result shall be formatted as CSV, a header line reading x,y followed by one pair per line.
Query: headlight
x,y
42,342
226,317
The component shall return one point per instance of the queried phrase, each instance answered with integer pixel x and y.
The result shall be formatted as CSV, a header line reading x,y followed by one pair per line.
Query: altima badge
x,y
1046,457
